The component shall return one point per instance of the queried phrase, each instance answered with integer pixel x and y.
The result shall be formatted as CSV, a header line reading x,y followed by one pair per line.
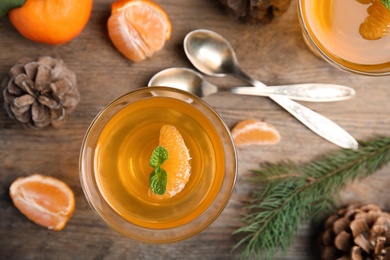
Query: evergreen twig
x,y
290,194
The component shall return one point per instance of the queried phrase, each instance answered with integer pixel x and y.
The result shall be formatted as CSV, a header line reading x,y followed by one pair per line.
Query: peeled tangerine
x,y
254,132
377,24
138,28
177,165
46,201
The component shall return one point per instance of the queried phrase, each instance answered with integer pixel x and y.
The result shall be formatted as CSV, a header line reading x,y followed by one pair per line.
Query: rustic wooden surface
x,y
274,53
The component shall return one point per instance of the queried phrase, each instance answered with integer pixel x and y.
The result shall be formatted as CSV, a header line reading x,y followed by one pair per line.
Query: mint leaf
x,y
158,178
159,156
7,5
158,181
386,3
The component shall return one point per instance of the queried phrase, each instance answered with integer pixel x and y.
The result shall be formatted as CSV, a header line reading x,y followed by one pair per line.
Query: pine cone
x,y
40,93
357,233
256,10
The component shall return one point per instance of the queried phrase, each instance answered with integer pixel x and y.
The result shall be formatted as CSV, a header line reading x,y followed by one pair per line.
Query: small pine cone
x,y
253,11
40,93
357,233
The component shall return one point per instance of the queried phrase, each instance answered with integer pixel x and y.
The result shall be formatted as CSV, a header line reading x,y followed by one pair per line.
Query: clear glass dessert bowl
x,y
114,165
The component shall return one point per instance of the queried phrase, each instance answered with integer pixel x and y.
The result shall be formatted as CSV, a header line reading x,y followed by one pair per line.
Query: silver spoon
x,y
192,81
213,55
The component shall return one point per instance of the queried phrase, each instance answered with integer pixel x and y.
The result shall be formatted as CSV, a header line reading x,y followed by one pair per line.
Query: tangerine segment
x,y
254,132
46,201
138,28
177,165
377,23
51,22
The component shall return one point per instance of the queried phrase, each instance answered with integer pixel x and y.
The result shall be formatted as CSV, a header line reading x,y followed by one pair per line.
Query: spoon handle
x,y
317,123
314,121
314,92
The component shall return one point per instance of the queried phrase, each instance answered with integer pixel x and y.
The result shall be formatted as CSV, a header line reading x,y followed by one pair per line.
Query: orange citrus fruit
x,y
51,22
138,28
46,201
177,165
377,23
254,132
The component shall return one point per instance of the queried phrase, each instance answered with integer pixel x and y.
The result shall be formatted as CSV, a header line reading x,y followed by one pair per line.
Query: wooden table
x,y
274,53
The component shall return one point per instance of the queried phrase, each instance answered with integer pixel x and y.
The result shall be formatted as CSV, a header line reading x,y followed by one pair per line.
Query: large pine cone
x,y
257,10
40,93
357,233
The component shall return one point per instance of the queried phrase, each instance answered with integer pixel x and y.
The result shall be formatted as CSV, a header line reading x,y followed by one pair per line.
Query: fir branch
x,y
290,194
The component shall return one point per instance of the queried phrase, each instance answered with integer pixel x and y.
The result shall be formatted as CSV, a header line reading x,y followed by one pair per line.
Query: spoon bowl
x,y
210,53
184,79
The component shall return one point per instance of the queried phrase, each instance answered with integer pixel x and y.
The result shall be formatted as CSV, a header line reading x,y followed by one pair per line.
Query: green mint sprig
x,y
386,3
7,5
158,178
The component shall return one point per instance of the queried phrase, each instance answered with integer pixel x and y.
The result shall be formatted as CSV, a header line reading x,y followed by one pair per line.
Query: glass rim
x,y
149,235
322,51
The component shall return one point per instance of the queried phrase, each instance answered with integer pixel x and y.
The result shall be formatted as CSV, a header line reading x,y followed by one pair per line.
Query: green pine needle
x,y
291,194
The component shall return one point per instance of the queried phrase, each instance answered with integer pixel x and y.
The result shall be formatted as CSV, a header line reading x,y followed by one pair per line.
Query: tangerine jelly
x,y
331,28
115,166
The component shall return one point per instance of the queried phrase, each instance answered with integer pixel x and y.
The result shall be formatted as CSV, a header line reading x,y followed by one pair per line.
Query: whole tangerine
x,y
51,22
